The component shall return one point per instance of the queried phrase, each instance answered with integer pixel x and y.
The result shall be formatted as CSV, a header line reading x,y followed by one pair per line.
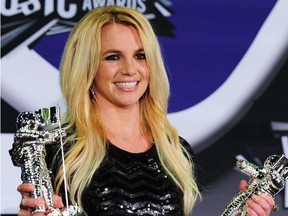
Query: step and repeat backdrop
x,y
220,56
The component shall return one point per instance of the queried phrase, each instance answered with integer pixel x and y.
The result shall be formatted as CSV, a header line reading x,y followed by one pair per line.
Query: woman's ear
x,y
92,93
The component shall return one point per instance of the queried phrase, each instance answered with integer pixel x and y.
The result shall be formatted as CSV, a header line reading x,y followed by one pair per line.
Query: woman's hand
x,y
27,203
258,205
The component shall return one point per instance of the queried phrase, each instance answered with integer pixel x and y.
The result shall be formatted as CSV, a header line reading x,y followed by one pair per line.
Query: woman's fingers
x,y
23,212
57,201
243,185
25,189
260,205
27,203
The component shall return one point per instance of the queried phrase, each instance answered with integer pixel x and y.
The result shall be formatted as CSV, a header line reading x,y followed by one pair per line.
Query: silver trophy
x,y
269,179
34,131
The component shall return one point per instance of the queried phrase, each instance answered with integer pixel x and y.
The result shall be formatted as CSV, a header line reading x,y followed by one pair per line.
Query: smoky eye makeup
x,y
112,57
140,56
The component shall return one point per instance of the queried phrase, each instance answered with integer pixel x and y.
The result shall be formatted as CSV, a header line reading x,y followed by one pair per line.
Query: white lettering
x,y
87,5
98,3
110,2
141,6
27,7
72,10
64,8
30,7
48,7
131,4
128,4
121,2
12,10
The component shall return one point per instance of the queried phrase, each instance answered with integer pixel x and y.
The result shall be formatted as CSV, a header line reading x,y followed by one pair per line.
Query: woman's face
x,y
122,76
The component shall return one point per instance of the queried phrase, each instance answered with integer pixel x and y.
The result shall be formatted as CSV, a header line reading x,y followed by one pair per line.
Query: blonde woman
x,y
123,157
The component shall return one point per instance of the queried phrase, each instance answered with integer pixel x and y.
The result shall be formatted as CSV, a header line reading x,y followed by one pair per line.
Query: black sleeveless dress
x,y
132,184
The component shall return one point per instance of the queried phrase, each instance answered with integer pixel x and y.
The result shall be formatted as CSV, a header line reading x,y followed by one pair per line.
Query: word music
x,y
66,9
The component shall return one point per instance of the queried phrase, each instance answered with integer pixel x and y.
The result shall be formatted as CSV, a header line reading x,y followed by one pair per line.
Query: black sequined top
x,y
132,184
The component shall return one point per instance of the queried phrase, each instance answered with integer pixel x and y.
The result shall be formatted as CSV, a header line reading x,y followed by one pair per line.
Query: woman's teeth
x,y
126,84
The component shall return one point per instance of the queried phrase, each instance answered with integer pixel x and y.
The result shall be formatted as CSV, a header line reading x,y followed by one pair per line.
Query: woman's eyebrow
x,y
140,50
111,51
119,51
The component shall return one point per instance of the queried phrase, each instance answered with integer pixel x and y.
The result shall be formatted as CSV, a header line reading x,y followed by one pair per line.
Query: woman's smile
x,y
130,85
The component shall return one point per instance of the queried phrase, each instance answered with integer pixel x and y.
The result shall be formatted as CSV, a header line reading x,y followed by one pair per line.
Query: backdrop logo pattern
x,y
22,19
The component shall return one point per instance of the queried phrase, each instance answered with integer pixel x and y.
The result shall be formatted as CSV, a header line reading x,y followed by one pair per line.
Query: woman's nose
x,y
129,68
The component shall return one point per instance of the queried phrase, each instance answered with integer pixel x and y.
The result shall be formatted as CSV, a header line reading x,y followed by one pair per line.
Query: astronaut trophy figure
x,y
34,131
269,179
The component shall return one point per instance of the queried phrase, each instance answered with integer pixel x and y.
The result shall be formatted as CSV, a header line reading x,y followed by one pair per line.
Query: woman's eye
x,y
112,57
140,56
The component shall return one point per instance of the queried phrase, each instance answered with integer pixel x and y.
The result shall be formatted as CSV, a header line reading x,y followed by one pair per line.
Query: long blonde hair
x,y
78,69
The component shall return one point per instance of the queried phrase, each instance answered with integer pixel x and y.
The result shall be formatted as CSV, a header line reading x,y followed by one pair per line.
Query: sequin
x,y
132,184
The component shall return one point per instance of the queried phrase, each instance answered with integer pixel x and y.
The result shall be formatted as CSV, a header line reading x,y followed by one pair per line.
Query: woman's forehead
x,y
120,36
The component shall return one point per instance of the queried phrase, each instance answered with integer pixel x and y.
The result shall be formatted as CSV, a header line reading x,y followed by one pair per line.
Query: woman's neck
x,y
121,120
123,129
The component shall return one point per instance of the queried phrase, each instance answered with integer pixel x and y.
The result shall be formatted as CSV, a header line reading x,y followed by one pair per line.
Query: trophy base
x,y
70,211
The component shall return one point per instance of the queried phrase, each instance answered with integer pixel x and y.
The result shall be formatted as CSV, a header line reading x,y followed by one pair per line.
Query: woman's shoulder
x,y
186,146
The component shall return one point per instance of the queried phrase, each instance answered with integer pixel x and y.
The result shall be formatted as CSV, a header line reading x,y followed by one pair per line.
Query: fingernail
x,y
264,195
254,197
248,202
